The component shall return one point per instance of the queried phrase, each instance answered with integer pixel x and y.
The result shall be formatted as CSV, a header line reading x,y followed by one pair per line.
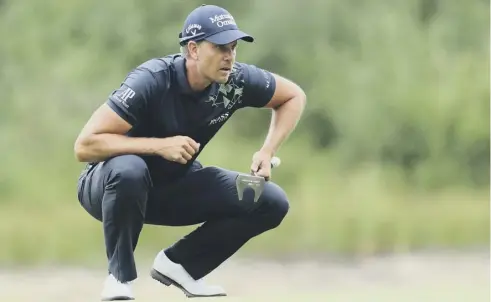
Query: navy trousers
x,y
122,195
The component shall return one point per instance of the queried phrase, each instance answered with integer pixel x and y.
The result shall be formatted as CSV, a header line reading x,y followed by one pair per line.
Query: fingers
x,y
255,166
264,172
181,160
261,165
177,158
260,169
193,144
187,156
188,151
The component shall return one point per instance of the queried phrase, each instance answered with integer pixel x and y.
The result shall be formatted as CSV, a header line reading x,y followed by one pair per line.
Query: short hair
x,y
184,48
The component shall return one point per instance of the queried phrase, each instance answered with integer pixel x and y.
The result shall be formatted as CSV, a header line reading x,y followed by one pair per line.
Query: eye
x,y
225,48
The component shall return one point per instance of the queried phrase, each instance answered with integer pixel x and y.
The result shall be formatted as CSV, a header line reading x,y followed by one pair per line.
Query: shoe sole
x,y
168,282
119,298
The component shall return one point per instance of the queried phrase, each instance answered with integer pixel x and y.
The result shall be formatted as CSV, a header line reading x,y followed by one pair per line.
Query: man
x,y
141,147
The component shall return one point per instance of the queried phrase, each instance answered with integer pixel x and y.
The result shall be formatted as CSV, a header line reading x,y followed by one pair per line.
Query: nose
x,y
228,54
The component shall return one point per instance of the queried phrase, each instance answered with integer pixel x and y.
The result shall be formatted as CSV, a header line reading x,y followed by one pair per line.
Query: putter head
x,y
245,181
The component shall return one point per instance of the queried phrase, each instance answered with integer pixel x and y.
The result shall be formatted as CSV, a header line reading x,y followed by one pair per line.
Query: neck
x,y
196,81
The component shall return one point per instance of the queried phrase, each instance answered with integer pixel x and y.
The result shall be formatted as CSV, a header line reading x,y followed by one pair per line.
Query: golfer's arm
x,y
103,137
288,103
98,147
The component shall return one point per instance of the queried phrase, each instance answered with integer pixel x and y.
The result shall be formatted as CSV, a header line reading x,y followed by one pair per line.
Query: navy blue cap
x,y
211,23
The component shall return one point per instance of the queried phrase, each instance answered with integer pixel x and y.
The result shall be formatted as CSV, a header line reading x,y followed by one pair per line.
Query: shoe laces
x,y
120,282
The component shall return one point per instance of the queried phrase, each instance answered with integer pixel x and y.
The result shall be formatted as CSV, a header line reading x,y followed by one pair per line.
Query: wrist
x,y
155,145
270,151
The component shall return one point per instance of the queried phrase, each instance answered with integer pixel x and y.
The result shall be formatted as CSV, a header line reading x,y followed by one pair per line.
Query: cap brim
x,y
229,36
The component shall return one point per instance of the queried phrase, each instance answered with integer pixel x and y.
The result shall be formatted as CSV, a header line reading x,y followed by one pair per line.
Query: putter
x,y
256,183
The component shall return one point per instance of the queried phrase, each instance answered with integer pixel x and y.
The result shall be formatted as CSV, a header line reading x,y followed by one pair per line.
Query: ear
x,y
193,49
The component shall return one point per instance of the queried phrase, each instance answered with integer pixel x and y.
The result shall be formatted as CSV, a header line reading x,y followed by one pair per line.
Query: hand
x,y
178,149
261,164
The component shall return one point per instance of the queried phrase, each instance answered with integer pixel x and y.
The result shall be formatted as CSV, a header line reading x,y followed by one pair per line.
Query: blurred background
x,y
391,155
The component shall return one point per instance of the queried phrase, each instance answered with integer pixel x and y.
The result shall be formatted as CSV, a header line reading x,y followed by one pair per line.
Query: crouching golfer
x,y
141,147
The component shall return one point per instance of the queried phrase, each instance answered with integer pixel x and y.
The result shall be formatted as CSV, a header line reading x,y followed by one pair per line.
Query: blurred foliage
x,y
397,86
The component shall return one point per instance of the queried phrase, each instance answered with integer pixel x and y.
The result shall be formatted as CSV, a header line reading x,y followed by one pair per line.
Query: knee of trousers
x,y
274,205
128,174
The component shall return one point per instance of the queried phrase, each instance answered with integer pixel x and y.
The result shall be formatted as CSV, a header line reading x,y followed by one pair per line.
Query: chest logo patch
x,y
230,93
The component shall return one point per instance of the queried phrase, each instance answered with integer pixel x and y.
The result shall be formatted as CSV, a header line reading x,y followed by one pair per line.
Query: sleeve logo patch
x,y
126,95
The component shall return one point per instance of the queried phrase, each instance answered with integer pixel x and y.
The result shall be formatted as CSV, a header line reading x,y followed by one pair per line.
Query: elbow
x,y
302,96
80,151
299,100
299,97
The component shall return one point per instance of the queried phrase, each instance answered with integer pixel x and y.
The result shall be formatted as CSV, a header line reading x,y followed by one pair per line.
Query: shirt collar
x,y
182,78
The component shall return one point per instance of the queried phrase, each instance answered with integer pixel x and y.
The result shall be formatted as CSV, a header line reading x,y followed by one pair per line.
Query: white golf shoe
x,y
115,290
169,273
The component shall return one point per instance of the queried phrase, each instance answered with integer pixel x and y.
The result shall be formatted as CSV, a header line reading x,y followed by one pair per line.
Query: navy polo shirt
x,y
156,99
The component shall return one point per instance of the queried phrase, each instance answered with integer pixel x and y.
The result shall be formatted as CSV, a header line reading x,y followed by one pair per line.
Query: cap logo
x,y
193,28
222,20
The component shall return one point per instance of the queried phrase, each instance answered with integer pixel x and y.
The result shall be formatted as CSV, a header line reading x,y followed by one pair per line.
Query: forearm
x,y
283,121
98,147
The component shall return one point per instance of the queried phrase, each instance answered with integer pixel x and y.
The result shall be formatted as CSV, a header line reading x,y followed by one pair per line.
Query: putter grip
x,y
275,162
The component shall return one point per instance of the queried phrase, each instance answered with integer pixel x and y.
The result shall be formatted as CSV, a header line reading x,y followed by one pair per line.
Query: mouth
x,y
225,69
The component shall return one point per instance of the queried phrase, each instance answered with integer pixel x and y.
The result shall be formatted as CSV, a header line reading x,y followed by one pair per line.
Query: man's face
x,y
215,61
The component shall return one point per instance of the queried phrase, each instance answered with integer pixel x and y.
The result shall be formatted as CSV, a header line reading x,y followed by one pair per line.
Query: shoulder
x,y
252,74
157,72
160,65
256,85
243,74
240,70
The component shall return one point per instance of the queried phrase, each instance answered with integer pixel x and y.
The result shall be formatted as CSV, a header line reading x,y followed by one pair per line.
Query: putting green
x,y
436,277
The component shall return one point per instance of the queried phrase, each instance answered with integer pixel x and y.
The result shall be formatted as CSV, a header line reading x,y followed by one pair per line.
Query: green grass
x,y
417,278
384,88
364,212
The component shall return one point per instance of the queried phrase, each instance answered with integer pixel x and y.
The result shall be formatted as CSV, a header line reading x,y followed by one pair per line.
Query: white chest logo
x,y
222,118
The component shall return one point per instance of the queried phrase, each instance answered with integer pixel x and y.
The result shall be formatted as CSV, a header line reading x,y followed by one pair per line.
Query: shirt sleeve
x,y
132,100
259,86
